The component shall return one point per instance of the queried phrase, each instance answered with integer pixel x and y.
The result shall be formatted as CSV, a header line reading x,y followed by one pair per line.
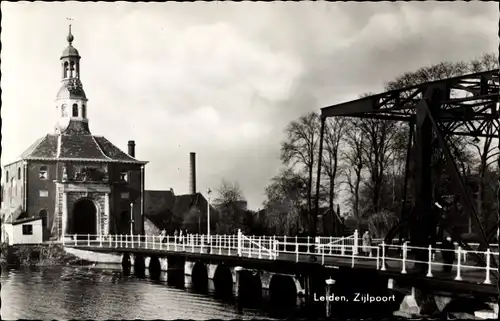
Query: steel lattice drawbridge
x,y
435,111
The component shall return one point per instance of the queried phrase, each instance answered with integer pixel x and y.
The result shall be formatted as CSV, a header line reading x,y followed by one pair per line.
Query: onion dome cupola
x,y
71,101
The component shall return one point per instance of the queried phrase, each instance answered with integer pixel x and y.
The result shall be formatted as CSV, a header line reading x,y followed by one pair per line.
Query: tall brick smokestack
x,y
131,148
192,173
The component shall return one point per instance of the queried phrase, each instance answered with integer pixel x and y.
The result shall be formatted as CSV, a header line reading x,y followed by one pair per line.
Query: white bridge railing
x,y
326,250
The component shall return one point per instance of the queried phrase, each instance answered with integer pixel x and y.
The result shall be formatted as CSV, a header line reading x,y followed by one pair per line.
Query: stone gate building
x,y
77,182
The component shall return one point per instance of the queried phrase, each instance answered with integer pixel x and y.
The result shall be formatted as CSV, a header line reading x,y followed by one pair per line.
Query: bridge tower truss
x,y
467,105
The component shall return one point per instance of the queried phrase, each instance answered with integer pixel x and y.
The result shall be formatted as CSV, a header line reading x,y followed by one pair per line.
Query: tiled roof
x,y
26,220
77,128
46,148
80,146
111,150
33,146
76,143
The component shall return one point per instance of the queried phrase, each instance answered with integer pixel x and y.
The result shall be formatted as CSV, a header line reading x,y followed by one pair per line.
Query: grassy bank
x,y
38,255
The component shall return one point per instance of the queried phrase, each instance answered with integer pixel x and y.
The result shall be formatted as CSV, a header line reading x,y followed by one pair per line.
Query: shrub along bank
x,y
37,255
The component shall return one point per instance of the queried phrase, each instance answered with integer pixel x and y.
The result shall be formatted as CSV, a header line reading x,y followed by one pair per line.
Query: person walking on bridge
x,y
367,243
176,236
163,235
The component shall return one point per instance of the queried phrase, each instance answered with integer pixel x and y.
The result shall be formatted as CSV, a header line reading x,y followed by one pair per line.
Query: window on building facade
x,y
124,176
6,176
42,174
44,193
84,111
27,229
19,173
75,110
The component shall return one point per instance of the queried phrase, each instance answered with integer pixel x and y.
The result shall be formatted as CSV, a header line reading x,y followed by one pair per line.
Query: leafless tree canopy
x,y
364,160
300,147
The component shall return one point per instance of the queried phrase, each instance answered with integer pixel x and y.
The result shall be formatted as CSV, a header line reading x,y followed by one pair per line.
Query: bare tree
x,y
353,156
334,131
378,151
300,148
487,153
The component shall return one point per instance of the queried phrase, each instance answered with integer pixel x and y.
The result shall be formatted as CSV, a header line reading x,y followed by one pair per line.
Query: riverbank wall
x,y
45,254
95,257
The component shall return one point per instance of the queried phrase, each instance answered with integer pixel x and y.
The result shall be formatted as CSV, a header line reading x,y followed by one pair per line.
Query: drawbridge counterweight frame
x,y
467,105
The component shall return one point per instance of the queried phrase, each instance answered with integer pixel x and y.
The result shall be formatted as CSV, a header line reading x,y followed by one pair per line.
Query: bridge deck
x,y
280,260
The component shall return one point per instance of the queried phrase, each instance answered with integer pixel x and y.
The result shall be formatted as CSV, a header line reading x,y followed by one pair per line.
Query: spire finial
x,y
70,37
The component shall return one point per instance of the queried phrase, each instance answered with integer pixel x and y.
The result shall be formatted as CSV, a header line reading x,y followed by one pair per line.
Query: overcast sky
x,y
219,79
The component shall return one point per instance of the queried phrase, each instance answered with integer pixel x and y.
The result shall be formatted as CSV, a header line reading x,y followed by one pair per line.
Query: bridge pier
x,y
156,263
188,267
248,285
420,303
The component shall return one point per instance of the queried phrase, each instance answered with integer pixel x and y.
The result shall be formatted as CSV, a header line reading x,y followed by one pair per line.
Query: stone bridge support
x,y
282,289
221,276
188,267
419,303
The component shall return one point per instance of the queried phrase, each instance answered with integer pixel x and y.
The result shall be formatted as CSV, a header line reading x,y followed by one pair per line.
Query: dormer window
x,y
84,111
75,110
42,174
124,176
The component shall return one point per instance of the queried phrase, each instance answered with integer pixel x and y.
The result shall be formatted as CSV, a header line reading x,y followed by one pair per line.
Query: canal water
x,y
106,292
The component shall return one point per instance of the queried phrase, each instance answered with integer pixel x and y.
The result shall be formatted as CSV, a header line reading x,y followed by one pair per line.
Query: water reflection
x,y
107,292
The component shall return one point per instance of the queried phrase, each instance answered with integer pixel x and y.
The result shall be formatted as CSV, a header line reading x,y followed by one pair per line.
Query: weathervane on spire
x,y
70,37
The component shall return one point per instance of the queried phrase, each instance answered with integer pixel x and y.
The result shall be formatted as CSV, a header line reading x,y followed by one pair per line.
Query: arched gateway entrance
x,y
85,217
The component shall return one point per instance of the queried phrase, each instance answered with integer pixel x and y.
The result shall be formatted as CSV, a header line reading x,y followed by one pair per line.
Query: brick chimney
x,y
131,148
192,173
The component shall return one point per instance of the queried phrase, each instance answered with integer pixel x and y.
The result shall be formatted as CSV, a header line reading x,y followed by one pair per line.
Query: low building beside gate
x,y
23,231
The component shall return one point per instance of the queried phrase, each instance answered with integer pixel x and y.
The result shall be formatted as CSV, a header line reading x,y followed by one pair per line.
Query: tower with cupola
x,y
71,101
76,182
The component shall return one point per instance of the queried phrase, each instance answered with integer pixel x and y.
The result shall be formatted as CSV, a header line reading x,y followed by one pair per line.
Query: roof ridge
x,y
82,159
135,159
98,146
